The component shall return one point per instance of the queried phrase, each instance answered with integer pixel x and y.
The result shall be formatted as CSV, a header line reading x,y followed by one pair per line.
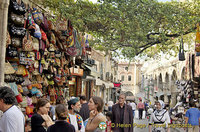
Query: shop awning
x,y
130,98
93,71
100,82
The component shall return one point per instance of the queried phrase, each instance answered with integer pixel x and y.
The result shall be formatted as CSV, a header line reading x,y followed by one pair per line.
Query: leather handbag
x,y
27,44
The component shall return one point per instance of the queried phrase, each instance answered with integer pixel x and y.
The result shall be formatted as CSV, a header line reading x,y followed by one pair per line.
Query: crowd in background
x,y
79,115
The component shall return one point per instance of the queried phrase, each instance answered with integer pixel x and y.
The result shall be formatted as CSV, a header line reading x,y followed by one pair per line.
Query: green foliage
x,y
130,26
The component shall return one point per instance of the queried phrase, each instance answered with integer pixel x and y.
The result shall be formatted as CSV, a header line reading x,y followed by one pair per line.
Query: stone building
x,y
129,76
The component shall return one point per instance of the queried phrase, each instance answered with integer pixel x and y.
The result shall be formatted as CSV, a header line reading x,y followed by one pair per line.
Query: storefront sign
x,y
118,85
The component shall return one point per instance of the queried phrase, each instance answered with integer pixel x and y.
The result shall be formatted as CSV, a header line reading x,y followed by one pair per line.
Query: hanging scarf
x,y
79,120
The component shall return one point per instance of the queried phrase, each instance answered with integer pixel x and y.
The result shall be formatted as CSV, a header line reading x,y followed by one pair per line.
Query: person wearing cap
x,y
159,118
140,107
74,118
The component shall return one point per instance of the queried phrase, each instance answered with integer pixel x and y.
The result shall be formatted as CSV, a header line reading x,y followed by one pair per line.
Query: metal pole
x,y
3,29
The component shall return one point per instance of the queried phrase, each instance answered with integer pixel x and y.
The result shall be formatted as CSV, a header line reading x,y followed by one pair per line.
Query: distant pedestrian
x,y
192,117
61,125
59,100
140,107
122,114
96,117
110,104
13,119
159,117
105,108
84,111
133,105
74,118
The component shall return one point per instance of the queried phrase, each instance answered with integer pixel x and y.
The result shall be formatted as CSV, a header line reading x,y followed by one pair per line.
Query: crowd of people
x,y
78,115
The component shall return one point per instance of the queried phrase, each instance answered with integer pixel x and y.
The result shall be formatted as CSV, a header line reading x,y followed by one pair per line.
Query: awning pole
x,y
3,29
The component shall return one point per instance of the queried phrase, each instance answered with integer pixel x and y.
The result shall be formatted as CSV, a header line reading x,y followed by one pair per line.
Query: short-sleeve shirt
x,y
12,120
133,105
193,115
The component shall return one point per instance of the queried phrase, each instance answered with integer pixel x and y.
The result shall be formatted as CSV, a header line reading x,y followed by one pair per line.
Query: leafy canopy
x,y
132,27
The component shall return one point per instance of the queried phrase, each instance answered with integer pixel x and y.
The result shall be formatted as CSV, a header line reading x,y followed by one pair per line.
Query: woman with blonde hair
x,y
96,117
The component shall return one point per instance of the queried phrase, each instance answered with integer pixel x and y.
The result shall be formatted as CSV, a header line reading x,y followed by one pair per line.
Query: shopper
x,y
40,120
13,119
133,105
61,125
140,107
84,111
74,118
159,118
96,117
122,114
192,117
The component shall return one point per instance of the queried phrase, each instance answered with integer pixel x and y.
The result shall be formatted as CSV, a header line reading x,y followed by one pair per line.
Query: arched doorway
x,y
129,93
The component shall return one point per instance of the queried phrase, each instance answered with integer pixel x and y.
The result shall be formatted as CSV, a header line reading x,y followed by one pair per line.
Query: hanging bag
x,y
181,51
27,43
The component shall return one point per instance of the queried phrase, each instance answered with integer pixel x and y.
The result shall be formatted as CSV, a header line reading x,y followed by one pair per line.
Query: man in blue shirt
x,y
192,117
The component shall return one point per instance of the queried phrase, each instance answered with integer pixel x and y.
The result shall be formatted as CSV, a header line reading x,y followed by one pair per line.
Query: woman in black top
x,y
61,125
40,121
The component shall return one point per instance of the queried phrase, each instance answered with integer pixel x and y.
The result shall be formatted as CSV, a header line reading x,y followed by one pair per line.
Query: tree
x,y
132,27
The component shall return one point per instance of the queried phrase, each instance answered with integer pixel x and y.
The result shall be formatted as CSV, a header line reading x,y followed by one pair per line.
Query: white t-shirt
x,y
12,120
73,121
133,105
110,103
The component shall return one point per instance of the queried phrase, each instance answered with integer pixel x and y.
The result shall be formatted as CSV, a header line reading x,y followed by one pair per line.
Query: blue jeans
x,y
133,113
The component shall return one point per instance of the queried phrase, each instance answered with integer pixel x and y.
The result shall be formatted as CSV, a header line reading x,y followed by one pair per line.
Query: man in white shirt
x,y
74,118
133,105
12,119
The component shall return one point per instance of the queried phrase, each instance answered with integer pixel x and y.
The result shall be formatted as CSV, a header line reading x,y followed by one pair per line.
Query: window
x,y
122,78
129,78
126,68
